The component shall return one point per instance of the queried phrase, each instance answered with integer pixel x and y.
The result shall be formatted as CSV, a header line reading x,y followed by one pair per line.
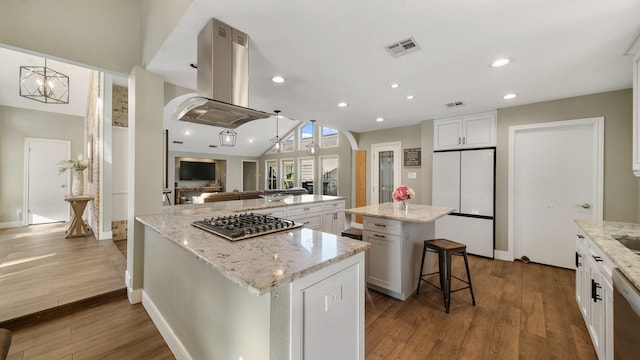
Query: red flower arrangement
x,y
402,193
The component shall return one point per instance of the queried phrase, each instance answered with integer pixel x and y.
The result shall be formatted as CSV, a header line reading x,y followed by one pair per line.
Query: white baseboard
x,y
135,296
165,330
105,235
10,224
502,255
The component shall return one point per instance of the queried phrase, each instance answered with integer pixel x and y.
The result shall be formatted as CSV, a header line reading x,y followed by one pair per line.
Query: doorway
x,y
555,176
44,188
249,175
385,171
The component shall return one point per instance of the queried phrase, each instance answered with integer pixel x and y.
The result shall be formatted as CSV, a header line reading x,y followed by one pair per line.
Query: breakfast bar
x,y
396,236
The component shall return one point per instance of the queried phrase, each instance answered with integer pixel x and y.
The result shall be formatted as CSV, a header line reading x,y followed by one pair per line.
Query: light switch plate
x,y
411,175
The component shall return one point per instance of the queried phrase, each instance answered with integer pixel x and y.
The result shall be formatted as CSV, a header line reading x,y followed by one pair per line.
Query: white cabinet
x,y
594,294
327,319
309,215
465,132
333,217
393,261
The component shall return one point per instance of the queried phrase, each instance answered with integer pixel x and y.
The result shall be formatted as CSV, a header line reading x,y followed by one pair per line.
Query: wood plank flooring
x,y
523,311
40,269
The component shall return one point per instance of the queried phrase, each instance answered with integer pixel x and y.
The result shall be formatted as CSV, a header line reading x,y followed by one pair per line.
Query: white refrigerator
x,y
465,180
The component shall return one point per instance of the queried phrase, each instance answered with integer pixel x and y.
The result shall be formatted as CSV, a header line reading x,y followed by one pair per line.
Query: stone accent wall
x,y
120,110
119,230
120,118
93,119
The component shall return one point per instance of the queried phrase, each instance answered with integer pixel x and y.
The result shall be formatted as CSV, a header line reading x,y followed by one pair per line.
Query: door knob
x,y
63,186
584,206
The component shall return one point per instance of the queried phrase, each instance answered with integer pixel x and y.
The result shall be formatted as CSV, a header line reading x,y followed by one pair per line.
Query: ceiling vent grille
x,y
403,47
455,104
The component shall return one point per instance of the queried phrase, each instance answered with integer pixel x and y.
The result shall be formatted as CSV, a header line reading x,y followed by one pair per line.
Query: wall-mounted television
x,y
195,170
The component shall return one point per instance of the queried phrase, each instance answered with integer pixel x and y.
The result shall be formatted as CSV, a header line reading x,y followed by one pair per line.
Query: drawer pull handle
x,y
594,291
380,236
578,263
597,258
305,209
306,223
381,225
580,236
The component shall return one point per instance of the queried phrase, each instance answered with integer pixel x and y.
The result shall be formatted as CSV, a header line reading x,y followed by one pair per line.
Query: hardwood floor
x,y
523,311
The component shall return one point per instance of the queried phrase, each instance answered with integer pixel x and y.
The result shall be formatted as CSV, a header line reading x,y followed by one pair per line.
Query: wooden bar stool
x,y
445,248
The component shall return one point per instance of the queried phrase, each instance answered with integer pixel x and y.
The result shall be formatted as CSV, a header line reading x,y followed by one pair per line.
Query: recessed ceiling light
x,y
410,97
510,96
277,79
380,119
394,85
251,140
342,104
187,132
500,62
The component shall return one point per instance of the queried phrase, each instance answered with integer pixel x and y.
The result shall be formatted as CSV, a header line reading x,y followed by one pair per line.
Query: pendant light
x,y
275,141
44,84
312,147
228,137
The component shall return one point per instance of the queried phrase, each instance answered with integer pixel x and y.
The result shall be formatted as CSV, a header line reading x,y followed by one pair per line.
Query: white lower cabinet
x,y
393,261
333,217
594,294
328,313
309,215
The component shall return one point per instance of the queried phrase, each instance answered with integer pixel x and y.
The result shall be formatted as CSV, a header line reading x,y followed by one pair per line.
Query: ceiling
x,y
335,50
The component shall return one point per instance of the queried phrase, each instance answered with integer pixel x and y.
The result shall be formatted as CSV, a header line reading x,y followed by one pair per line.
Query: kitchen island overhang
x,y
213,298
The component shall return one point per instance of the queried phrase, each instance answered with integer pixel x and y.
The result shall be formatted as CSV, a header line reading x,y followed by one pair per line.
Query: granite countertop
x,y
602,232
257,264
415,212
247,205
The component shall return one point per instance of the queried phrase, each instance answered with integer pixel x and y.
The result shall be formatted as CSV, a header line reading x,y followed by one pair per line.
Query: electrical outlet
x,y
332,298
19,213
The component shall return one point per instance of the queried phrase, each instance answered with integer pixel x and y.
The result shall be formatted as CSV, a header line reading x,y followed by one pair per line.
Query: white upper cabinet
x,y
465,132
634,49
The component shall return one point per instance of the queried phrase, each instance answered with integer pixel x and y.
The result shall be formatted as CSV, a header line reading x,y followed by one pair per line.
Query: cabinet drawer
x,y
385,226
304,209
333,206
312,221
280,212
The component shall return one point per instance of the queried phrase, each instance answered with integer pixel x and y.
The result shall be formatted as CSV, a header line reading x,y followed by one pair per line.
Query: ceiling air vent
x,y
403,47
455,104
213,146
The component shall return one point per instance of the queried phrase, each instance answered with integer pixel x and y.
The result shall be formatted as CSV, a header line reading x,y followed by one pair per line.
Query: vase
x,y
404,205
77,186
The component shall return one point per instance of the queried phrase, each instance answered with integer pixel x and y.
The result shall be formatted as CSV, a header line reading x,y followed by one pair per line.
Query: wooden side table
x,y
77,226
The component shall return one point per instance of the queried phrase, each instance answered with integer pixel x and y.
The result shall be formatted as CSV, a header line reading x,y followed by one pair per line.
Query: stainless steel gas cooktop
x,y
244,226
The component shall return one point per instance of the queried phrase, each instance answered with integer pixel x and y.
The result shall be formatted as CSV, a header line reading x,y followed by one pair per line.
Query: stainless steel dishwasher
x,y
626,318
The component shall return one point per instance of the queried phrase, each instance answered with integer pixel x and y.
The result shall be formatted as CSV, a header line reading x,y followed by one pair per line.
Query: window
x,y
306,135
328,137
287,144
306,170
329,167
271,175
288,179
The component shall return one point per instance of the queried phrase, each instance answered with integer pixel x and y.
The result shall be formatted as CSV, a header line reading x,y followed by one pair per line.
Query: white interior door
x,y
45,189
555,176
385,171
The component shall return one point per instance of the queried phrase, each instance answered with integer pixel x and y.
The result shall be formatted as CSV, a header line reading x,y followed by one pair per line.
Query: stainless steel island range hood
x,y
223,79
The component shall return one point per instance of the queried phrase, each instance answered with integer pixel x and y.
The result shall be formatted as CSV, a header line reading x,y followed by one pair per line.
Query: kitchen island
x,y
396,236
293,294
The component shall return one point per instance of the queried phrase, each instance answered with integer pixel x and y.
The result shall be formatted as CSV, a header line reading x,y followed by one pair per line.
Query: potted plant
x,y
77,166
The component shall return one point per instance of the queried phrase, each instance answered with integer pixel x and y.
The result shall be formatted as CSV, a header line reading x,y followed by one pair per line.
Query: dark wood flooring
x,y
523,311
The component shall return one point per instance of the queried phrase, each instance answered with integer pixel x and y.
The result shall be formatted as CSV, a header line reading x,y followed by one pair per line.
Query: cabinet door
x,y
447,134
582,288
331,317
477,182
446,179
596,309
479,130
383,263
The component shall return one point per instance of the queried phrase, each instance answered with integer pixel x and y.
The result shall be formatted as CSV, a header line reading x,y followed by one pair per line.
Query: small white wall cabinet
x,y
465,132
333,217
393,261
594,294
634,50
